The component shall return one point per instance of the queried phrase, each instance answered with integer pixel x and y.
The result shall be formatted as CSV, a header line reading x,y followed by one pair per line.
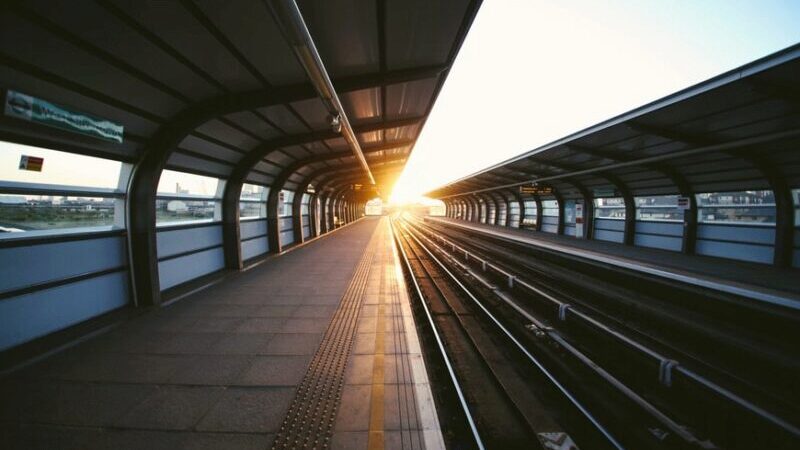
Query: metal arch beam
x,y
233,186
464,209
493,200
485,206
493,195
476,209
517,197
500,200
297,205
282,177
280,181
588,225
784,208
332,175
321,212
726,146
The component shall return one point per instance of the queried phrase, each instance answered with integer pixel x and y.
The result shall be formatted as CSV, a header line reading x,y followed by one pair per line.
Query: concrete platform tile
x,y
364,344
275,371
399,440
400,411
242,344
215,324
123,439
314,312
367,324
271,311
353,412
126,368
212,370
261,325
226,441
294,344
349,440
359,369
183,343
305,325
171,408
248,410
15,436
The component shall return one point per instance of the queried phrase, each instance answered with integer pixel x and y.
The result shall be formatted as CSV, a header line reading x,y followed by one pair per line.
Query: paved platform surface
x,y
220,368
759,278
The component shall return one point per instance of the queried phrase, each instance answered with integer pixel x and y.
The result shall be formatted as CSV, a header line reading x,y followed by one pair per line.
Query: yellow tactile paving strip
x,y
309,421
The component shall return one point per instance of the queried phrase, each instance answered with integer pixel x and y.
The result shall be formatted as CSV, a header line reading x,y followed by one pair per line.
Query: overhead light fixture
x,y
294,28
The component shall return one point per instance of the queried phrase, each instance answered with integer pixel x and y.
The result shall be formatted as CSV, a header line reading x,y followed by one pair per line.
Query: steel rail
x,y
570,397
439,343
701,380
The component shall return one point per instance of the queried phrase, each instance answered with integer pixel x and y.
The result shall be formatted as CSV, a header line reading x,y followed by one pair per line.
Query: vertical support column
x,y
297,216
690,226
784,221
476,210
323,214
141,221
331,212
231,231
630,217
312,215
488,200
273,220
508,211
588,217
539,213
521,202
560,200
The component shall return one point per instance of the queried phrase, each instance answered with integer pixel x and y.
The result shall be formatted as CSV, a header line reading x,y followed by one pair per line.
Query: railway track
x,y
587,357
508,398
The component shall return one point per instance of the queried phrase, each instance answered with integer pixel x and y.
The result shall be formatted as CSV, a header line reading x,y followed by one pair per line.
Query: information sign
x,y
534,189
32,109
33,163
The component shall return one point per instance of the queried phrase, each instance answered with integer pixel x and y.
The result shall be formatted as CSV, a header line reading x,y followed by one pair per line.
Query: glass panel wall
x,y
44,192
609,208
185,197
253,201
742,207
550,208
661,208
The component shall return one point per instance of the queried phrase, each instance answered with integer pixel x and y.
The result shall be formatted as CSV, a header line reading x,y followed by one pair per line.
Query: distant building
x,y
177,206
13,199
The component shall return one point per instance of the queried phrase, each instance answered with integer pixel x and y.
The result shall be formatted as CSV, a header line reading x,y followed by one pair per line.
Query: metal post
x,y
273,220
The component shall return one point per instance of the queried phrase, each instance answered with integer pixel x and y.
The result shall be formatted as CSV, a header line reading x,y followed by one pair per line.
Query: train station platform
x,y
315,347
759,281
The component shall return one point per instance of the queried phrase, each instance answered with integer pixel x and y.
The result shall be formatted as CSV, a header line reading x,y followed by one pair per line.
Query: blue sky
x,y
533,71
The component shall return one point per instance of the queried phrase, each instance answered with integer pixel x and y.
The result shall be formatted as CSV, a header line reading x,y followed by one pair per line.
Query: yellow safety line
x,y
375,440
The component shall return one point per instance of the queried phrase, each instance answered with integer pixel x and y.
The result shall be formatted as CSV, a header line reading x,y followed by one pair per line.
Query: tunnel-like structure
x,y
710,170
212,89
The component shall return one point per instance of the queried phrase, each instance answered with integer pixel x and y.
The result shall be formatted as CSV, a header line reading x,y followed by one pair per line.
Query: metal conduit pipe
x,y
294,28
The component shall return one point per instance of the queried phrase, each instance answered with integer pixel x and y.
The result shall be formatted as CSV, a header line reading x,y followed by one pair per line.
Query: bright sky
x,y
533,71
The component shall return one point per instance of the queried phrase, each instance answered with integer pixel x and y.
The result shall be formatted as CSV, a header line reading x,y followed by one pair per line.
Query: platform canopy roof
x,y
216,86
739,130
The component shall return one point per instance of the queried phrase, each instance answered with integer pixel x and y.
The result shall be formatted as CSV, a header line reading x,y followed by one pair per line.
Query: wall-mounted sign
x,y
684,203
535,189
32,109
356,187
578,220
605,192
33,163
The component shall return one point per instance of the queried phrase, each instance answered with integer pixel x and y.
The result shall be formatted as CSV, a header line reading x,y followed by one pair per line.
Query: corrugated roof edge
x,y
773,59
